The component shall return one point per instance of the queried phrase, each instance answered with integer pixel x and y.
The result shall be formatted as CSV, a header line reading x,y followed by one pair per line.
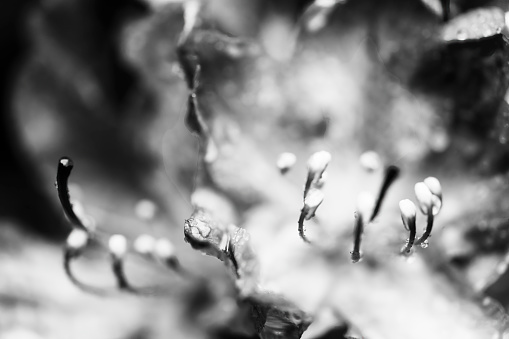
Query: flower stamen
x,y
117,246
365,204
313,200
65,166
391,174
408,216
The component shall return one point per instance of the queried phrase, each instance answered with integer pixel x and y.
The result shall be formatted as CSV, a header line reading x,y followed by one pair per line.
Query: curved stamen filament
x,y
69,256
312,201
410,225
302,217
117,244
408,216
429,226
65,166
365,204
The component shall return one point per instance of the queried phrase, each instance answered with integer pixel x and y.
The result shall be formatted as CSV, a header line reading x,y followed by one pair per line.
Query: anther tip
x,y
117,245
393,171
424,196
164,249
370,161
285,161
434,186
66,162
77,239
407,208
356,257
318,161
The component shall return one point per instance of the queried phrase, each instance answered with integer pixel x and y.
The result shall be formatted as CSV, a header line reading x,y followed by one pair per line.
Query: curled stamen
x,y
317,164
408,216
312,201
65,166
76,242
285,162
117,246
391,174
364,206
424,197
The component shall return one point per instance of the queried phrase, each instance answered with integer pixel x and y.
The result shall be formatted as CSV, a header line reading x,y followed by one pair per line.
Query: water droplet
x,y
425,244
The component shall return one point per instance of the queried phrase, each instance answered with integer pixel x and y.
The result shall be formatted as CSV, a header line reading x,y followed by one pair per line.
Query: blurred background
x,y
100,82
